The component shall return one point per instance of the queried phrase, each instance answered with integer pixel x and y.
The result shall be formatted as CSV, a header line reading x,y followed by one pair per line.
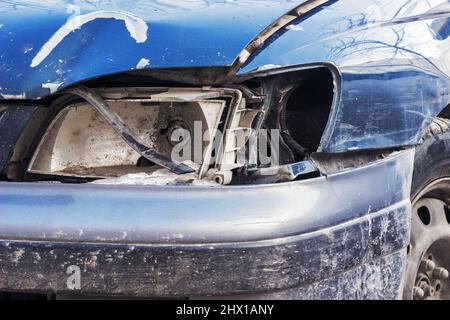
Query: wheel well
x,y
445,113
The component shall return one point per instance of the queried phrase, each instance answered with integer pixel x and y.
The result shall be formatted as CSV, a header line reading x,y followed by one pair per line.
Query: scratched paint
x,y
135,26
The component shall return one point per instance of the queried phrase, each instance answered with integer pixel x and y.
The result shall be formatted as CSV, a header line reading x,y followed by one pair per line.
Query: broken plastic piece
x,y
290,171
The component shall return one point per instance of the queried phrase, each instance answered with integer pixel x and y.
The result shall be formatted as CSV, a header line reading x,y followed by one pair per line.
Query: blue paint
x,y
393,61
391,56
198,33
46,201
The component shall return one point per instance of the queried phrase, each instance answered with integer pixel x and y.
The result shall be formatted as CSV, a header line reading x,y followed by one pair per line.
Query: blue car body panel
x,y
389,61
191,34
393,62
390,56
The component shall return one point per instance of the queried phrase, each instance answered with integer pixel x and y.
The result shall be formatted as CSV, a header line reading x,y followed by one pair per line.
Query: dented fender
x,y
393,74
390,57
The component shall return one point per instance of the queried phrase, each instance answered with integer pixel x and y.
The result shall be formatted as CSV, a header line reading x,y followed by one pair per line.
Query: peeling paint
x,y
142,63
27,49
135,26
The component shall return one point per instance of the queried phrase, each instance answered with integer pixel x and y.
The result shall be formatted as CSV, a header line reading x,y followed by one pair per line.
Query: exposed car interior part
x,y
163,132
299,106
306,113
85,142
287,172
329,163
125,133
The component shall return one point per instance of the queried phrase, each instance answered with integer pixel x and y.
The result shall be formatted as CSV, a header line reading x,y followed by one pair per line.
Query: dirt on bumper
x,y
274,262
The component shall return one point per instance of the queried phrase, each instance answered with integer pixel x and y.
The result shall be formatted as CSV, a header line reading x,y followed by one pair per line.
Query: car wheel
x,y
428,262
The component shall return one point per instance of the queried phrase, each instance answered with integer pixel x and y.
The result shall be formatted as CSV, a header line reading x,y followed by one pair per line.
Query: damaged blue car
x,y
248,149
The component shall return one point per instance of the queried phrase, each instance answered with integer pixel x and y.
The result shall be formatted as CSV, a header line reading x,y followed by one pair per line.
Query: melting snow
x,y
53,87
13,96
159,177
294,27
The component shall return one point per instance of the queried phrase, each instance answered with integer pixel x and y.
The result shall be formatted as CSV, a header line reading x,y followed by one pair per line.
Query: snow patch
x,y
17,255
294,27
13,96
53,87
159,177
142,63
267,67
135,26
27,49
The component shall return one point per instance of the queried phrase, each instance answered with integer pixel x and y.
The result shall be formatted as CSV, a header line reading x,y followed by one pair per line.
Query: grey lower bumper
x,y
180,241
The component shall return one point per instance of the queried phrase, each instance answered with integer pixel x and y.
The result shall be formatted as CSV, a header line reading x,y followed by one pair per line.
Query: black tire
x,y
430,220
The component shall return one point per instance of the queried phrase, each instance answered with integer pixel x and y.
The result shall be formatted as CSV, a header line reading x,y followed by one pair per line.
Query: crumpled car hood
x,y
49,45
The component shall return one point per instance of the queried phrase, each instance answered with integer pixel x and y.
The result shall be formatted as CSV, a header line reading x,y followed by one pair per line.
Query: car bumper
x,y
340,236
